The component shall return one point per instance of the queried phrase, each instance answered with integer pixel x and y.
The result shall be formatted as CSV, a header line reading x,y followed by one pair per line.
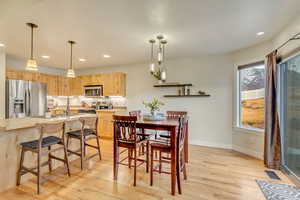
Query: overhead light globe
x,y
71,73
31,65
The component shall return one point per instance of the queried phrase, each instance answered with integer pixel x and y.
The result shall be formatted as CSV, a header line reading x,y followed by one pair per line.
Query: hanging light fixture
x,y
152,64
158,72
31,63
71,72
164,70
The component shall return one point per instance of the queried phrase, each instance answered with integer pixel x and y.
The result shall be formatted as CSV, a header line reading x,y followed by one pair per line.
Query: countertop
x,y
30,122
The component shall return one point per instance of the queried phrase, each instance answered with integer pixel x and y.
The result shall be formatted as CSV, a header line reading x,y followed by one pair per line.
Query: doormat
x,y
278,191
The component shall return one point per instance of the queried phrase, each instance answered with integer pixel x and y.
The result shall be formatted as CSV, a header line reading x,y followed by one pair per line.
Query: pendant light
x,y
71,72
163,71
31,63
152,64
160,53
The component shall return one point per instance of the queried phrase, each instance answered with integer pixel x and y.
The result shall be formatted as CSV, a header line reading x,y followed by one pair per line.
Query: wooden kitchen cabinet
x,y
63,86
76,87
105,124
52,84
12,74
114,84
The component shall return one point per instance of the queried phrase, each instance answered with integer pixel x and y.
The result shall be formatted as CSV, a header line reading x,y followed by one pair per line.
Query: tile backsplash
x,y
60,101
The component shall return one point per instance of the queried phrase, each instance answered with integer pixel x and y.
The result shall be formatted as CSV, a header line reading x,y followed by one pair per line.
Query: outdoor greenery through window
x,y
251,96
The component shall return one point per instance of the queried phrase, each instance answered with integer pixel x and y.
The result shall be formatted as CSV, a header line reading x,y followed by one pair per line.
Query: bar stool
x,y
88,131
39,146
162,147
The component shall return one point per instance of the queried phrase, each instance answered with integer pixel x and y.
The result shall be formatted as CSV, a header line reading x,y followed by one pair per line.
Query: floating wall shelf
x,y
173,85
193,95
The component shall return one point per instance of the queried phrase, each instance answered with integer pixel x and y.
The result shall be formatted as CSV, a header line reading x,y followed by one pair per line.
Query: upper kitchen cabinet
x,y
63,86
114,84
76,87
52,83
12,74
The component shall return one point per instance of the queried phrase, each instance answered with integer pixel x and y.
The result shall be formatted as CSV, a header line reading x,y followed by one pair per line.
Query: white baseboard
x,y
210,144
249,152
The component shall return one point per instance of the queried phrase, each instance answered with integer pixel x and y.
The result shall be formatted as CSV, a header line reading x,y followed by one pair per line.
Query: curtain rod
x,y
295,37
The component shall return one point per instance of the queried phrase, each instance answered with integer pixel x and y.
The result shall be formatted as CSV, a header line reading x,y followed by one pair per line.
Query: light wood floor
x,y
212,174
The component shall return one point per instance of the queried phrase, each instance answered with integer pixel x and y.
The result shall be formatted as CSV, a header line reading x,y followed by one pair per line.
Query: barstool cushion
x,y
47,141
77,133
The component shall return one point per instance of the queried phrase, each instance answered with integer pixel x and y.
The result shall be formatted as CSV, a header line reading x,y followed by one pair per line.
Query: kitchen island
x,y
15,131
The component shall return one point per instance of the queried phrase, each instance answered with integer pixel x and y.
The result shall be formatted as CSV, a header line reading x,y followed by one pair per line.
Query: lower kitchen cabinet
x,y
105,124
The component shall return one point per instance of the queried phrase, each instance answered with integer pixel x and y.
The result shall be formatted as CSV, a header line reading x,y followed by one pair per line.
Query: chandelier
x,y
157,65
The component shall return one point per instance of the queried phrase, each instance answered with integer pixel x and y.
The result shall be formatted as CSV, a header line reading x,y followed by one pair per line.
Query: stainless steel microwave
x,y
93,90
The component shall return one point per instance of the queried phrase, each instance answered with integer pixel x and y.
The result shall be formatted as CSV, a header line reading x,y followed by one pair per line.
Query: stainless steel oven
x,y
93,90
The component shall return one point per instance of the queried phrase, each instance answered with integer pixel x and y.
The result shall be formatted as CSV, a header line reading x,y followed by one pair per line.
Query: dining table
x,y
170,125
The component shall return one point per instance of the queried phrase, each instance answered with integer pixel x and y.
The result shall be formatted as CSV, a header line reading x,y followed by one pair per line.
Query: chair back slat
x,y
50,128
182,131
136,113
89,122
125,128
176,114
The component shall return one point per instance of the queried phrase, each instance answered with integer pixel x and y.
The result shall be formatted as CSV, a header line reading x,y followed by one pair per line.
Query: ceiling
x,y
122,28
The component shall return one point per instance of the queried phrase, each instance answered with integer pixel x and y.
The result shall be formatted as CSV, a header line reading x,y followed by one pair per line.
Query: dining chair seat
x,y
159,145
77,133
46,142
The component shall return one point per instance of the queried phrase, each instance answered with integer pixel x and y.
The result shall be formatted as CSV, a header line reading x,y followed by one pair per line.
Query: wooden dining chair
x,y
125,136
175,115
43,146
166,148
137,113
88,131
140,132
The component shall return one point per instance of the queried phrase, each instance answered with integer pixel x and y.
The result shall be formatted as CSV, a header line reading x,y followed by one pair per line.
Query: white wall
x,y
250,142
210,118
2,83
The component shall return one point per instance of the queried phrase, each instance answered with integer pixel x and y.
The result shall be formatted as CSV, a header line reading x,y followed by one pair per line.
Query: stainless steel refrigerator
x,y
25,99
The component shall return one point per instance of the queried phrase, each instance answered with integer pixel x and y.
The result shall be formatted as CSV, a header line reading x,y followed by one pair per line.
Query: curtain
x,y
272,151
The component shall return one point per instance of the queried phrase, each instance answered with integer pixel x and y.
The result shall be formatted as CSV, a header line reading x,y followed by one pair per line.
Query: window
x,y
251,96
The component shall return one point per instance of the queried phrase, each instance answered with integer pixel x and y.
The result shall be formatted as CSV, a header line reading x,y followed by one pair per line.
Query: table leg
x,y
173,160
115,156
186,145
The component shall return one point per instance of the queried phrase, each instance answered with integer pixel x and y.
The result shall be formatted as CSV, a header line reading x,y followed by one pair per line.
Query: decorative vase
x,y
160,81
153,113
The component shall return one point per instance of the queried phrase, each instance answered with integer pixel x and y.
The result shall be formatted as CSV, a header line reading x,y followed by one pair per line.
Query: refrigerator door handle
x,y
29,103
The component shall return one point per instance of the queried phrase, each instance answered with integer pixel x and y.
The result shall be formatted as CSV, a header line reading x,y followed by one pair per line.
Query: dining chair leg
x,y
49,159
151,167
67,160
160,162
81,152
20,166
135,158
116,166
38,172
184,167
178,179
99,150
147,157
129,157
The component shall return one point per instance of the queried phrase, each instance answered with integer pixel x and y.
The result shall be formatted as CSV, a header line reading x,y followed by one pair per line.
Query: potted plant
x,y
154,105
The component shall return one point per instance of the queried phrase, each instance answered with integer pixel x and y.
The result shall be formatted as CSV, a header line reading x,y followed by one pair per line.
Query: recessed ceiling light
x,y
46,57
260,33
106,56
2,45
82,59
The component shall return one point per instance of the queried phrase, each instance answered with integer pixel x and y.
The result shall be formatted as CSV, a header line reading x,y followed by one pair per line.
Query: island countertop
x,y
29,122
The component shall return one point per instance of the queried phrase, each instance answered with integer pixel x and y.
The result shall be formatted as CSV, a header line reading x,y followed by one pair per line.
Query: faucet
x,y
68,106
